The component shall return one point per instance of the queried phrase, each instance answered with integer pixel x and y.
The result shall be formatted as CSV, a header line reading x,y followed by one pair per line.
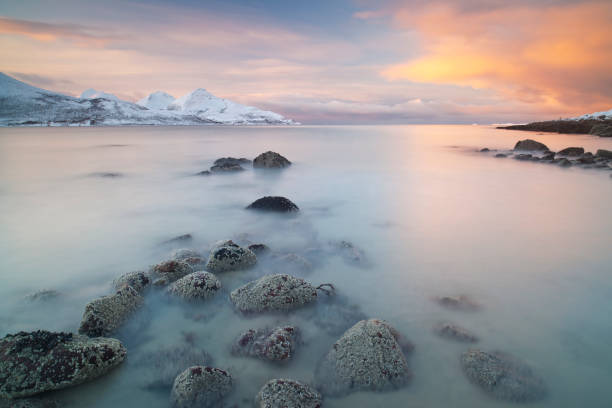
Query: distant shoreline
x,y
596,127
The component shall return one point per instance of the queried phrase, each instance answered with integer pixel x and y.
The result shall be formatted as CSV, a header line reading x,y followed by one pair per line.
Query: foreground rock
x,y
229,256
160,367
191,257
277,344
138,280
571,151
35,362
503,376
105,315
274,293
530,145
287,393
273,204
461,302
367,357
270,160
231,161
200,387
29,403
196,286
170,271
606,154
454,332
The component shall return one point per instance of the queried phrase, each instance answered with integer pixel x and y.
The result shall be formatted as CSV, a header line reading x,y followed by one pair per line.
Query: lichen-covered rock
x,y
270,160
29,403
368,357
200,387
35,362
284,393
461,302
503,376
277,344
454,332
172,270
105,315
195,286
529,144
43,295
571,151
275,293
229,256
191,257
160,367
231,160
273,204
138,280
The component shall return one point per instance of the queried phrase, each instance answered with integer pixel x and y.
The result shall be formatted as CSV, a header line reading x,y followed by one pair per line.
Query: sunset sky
x,y
341,61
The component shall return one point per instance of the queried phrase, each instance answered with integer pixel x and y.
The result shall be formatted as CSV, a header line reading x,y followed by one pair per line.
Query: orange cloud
x,y
47,32
558,56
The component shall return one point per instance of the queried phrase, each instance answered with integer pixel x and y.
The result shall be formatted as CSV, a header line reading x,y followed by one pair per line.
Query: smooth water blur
x,y
530,241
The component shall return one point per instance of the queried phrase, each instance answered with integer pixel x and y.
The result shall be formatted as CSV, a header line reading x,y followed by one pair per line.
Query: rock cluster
x,y
273,204
277,344
270,160
200,387
138,280
103,316
229,256
287,393
169,271
195,286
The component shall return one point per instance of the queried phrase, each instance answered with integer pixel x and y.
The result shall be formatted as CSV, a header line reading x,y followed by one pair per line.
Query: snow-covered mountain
x,y
22,105
596,115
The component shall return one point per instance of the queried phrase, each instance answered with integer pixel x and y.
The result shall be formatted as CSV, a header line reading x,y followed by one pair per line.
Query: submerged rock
x,y
563,162
273,204
454,332
105,315
286,393
294,263
195,286
335,315
43,295
277,344
529,144
461,302
571,151
179,239
191,257
503,376
35,362
349,252
228,256
172,270
231,161
275,293
501,155
548,156
259,249
203,173
200,387
485,149
270,160
367,357
138,280
523,157
162,366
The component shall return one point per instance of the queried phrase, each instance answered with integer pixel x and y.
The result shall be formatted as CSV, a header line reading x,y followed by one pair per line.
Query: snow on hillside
x,y
93,94
157,100
596,115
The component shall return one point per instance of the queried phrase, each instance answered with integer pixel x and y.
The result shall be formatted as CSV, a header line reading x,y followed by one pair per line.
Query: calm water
x,y
531,242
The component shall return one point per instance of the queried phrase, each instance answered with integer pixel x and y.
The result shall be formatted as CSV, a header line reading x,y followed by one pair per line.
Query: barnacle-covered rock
x,y
195,286
282,392
277,344
105,315
229,256
200,387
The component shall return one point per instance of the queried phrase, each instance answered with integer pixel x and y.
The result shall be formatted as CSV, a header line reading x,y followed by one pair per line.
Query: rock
x,y
200,387
270,160
231,161
29,403
275,204
503,376
190,257
162,366
548,156
367,357
35,362
335,316
501,155
226,168
195,286
43,295
172,270
606,154
349,252
179,239
285,393
259,249
106,175
529,144
105,315
523,157
228,256
294,263
454,332
603,130
277,344
138,280
571,151
484,150
203,173
461,302
274,293
563,162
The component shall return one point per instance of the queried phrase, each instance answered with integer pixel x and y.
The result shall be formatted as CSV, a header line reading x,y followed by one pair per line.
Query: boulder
x,y
485,149
367,357
259,249
228,256
105,315
138,280
273,204
603,130
606,154
191,257
529,144
503,376
231,160
571,151
195,286
273,293
461,302
454,332
171,270
35,362
563,162
277,344
226,168
287,393
270,160
200,387
501,155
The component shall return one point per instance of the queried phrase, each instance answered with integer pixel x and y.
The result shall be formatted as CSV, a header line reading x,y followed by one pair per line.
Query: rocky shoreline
x,y
597,127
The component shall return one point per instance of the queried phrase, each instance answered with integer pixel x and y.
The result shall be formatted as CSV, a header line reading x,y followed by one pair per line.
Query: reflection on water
x,y
529,242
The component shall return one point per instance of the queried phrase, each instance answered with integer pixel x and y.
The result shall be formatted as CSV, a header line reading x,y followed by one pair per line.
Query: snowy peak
x,y
157,100
10,86
199,100
94,94
596,115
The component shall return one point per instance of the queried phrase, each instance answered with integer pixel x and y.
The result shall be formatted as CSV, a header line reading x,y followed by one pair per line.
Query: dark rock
x,y
529,144
228,256
270,160
503,376
203,173
548,156
106,175
200,387
501,155
276,204
586,159
582,126
484,150
454,332
196,286
172,270
277,344
35,362
571,151
607,154
367,357
259,249
231,161
105,315
523,157
284,393
226,168
138,280
461,302
179,239
602,130
563,163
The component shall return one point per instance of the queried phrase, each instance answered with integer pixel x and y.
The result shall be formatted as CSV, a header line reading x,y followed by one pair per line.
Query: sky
x,y
326,62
